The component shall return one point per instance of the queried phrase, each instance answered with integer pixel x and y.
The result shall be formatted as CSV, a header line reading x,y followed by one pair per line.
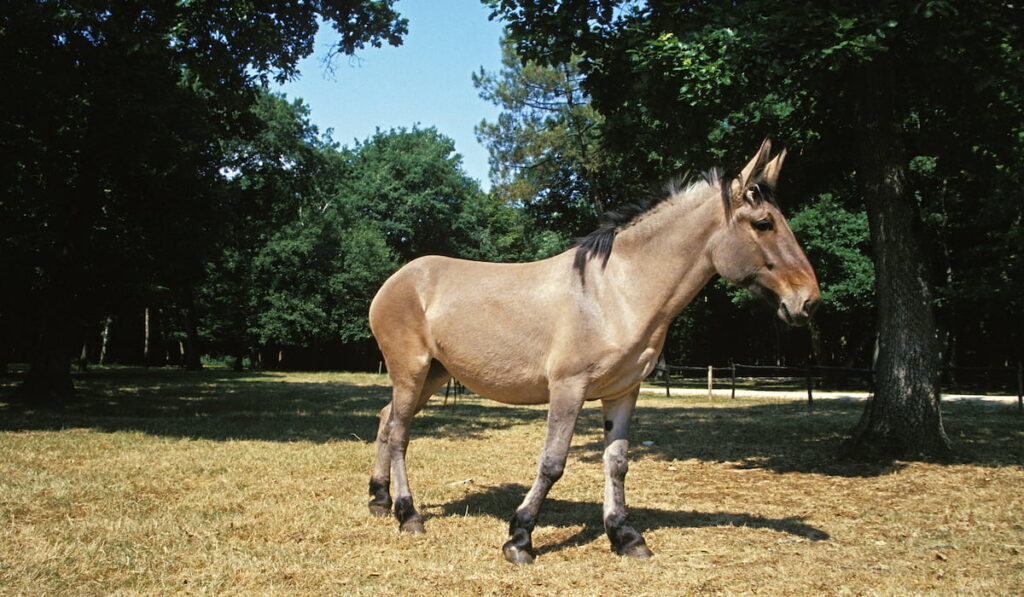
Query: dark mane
x,y
598,244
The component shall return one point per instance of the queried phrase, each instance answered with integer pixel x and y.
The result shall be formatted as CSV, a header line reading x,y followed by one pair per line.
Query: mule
x,y
587,324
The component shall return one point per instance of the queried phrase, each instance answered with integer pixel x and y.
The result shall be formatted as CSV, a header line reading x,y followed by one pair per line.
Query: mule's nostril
x,y
810,306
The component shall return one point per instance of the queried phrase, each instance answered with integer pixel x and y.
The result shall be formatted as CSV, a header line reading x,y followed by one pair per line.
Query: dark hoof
x,y
638,550
413,527
517,555
380,510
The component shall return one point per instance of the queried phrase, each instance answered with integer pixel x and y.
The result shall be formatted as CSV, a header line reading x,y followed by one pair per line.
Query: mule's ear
x,y
742,182
772,169
755,163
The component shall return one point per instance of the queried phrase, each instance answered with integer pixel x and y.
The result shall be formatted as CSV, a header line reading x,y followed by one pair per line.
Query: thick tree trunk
x,y
903,419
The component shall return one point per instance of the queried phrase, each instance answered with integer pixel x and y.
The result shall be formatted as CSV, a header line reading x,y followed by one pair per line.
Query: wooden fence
x,y
809,372
455,389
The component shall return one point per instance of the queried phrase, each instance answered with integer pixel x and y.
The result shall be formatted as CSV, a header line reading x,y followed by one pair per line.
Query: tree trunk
x,y
105,339
903,418
83,356
145,337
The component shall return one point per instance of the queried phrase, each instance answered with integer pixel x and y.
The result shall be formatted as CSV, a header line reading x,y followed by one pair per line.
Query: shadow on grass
x,y
224,405
499,502
270,406
784,437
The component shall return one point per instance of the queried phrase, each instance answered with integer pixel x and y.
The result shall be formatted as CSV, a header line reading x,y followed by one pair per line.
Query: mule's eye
x,y
764,225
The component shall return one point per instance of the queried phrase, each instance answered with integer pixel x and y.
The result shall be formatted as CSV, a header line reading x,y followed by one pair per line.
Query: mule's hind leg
x,y
626,541
380,480
410,393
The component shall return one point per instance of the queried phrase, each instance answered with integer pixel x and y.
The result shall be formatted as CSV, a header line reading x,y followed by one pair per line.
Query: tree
x,y
284,171
862,88
409,185
544,151
548,158
317,279
836,240
315,229
112,120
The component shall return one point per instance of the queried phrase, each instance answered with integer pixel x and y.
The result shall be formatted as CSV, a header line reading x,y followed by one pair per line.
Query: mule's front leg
x,y
626,541
562,417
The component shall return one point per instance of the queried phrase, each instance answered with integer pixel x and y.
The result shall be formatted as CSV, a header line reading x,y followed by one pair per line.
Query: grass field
x,y
167,482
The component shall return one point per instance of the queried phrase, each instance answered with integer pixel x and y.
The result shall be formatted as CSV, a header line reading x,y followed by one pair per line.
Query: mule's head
x,y
756,249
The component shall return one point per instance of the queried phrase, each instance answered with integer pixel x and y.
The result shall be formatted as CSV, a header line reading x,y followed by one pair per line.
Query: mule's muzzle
x,y
794,308
797,310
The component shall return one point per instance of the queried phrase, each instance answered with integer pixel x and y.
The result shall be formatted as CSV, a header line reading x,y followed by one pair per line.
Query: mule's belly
x,y
504,376
507,393
513,381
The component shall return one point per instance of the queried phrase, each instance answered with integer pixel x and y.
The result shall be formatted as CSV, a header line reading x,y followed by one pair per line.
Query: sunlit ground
x,y
163,481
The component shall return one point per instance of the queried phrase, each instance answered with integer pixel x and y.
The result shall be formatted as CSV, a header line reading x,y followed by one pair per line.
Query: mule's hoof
x,y
517,555
380,510
413,527
637,550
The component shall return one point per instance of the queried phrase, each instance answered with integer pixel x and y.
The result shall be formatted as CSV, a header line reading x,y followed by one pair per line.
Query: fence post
x,y
733,365
711,377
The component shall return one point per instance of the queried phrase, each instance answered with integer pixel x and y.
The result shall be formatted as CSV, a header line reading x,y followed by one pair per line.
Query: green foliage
x,y
317,228
836,241
410,186
681,83
116,186
543,148
315,280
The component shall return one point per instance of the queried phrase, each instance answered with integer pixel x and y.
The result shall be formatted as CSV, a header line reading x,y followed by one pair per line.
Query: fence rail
x,y
808,372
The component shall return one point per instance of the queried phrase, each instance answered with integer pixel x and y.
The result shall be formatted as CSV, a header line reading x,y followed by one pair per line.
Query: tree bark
x,y
83,356
145,337
903,418
105,339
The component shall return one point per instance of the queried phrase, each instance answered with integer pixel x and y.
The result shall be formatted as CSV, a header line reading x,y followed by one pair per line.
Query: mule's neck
x,y
661,262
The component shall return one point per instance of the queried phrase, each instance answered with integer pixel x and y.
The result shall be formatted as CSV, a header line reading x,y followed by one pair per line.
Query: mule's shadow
x,y
500,501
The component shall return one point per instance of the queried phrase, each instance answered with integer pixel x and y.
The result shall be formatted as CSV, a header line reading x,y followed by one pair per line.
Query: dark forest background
x,y
160,206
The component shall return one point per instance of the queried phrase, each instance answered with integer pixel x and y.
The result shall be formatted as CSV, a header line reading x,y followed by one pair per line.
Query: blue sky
x,y
426,81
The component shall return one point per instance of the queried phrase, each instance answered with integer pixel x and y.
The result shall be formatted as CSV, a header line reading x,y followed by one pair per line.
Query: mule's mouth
x,y
794,317
798,319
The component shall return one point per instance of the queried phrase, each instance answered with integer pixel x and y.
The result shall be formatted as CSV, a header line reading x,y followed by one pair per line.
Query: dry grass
x,y
174,483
